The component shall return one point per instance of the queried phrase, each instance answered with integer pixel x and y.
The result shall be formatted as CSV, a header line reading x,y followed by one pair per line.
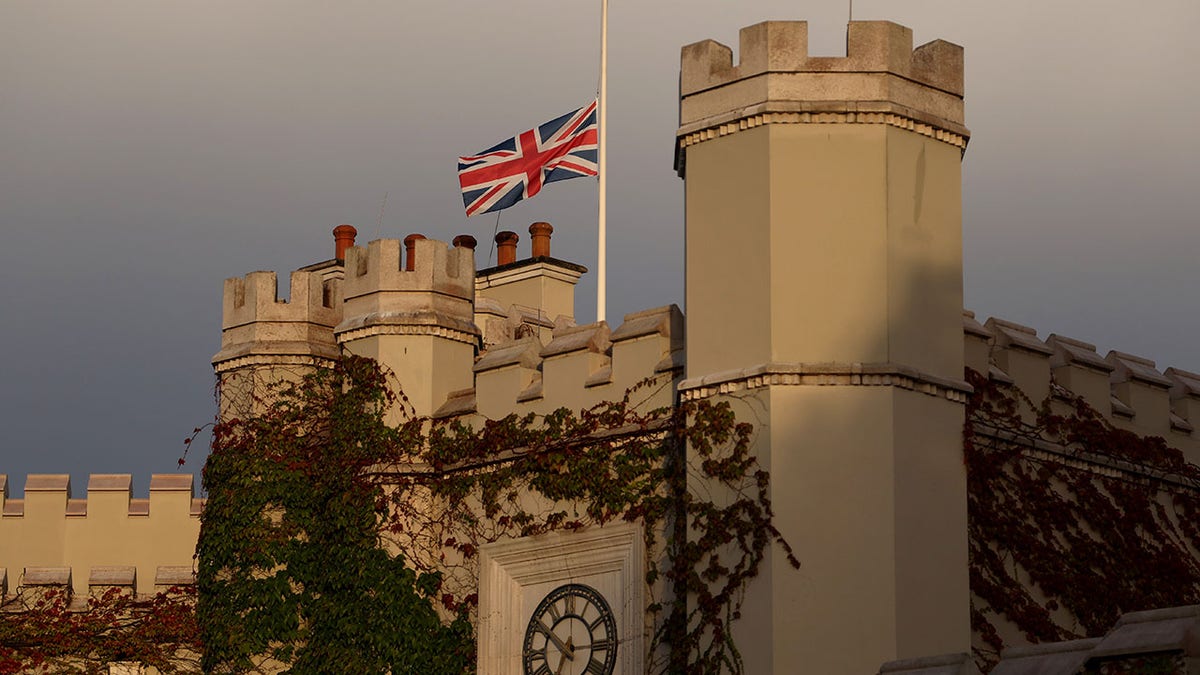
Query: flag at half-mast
x,y
516,169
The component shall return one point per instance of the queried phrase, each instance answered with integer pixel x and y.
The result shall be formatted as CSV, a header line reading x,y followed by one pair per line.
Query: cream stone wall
x,y
108,538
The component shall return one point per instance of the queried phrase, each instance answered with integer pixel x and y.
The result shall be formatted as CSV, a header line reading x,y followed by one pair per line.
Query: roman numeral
x,y
601,645
569,602
594,667
554,613
544,670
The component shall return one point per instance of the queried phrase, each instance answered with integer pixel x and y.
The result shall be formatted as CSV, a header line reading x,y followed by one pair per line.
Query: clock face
x,y
572,632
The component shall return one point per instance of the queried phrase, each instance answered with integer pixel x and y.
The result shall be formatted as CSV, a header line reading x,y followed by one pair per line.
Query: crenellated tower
x,y
824,298
413,311
264,338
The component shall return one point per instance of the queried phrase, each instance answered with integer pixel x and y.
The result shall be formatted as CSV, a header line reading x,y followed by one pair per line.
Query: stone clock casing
x,y
523,579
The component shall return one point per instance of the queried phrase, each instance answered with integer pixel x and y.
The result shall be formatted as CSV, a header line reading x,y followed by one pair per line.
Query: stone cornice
x,y
223,365
407,329
824,375
849,112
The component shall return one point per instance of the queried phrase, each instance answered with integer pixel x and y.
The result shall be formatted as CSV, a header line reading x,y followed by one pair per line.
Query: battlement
x,y
430,284
255,322
1128,390
108,495
48,529
579,367
881,80
782,47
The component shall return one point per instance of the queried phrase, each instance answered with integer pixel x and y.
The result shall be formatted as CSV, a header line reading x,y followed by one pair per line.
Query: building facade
x,y
824,297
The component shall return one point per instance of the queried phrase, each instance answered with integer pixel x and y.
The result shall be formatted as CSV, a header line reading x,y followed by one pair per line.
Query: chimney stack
x,y
540,232
506,247
410,247
343,238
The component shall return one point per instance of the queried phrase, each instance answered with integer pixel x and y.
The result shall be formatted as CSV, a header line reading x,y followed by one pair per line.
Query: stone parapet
x,y
109,538
257,328
579,367
1129,391
881,80
431,292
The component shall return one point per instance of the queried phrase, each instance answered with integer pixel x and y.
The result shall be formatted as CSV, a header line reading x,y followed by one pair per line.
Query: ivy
x,y
43,631
291,572
1072,521
335,540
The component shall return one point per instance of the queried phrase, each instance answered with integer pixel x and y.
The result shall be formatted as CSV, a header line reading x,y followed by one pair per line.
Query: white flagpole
x,y
602,131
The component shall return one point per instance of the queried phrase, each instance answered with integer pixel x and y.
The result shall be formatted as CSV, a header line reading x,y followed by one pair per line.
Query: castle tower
x,y
413,312
265,339
824,299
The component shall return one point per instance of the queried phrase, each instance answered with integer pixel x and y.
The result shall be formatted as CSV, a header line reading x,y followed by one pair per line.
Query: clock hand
x,y
567,656
562,647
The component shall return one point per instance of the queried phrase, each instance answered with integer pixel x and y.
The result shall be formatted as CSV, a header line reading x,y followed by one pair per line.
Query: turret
x,y
264,338
824,299
413,312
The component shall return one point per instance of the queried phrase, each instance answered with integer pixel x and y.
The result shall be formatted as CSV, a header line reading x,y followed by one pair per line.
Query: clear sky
x,y
150,149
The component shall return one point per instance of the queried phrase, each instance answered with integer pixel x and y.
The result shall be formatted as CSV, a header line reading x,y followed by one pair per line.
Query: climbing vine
x,y
335,534
1072,521
43,631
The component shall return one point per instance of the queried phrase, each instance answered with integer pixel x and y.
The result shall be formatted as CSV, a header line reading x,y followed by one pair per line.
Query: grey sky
x,y
149,149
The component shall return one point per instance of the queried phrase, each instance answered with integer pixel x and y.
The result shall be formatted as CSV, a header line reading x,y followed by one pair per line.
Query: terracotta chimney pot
x,y
541,239
465,241
506,247
410,248
343,238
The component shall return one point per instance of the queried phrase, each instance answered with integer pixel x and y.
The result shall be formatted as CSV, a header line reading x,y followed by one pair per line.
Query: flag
x,y
516,169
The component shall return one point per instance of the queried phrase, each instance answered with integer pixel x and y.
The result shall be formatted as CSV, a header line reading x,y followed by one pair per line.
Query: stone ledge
x,y
224,364
824,374
469,337
896,116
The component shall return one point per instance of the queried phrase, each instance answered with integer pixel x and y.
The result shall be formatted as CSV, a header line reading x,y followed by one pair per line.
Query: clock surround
x,y
516,575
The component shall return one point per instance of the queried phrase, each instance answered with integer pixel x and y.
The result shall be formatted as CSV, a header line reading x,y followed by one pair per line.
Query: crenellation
x,y
109,528
578,368
977,345
1125,389
46,576
940,64
1076,366
650,336
782,47
882,80
169,576
1137,383
1017,351
505,371
1185,397
113,575
260,329
379,291
108,495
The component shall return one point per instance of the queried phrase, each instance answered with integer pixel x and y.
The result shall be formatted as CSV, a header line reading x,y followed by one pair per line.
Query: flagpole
x,y
602,132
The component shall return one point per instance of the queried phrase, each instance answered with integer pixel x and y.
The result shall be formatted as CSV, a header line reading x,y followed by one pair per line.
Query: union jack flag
x,y
516,169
